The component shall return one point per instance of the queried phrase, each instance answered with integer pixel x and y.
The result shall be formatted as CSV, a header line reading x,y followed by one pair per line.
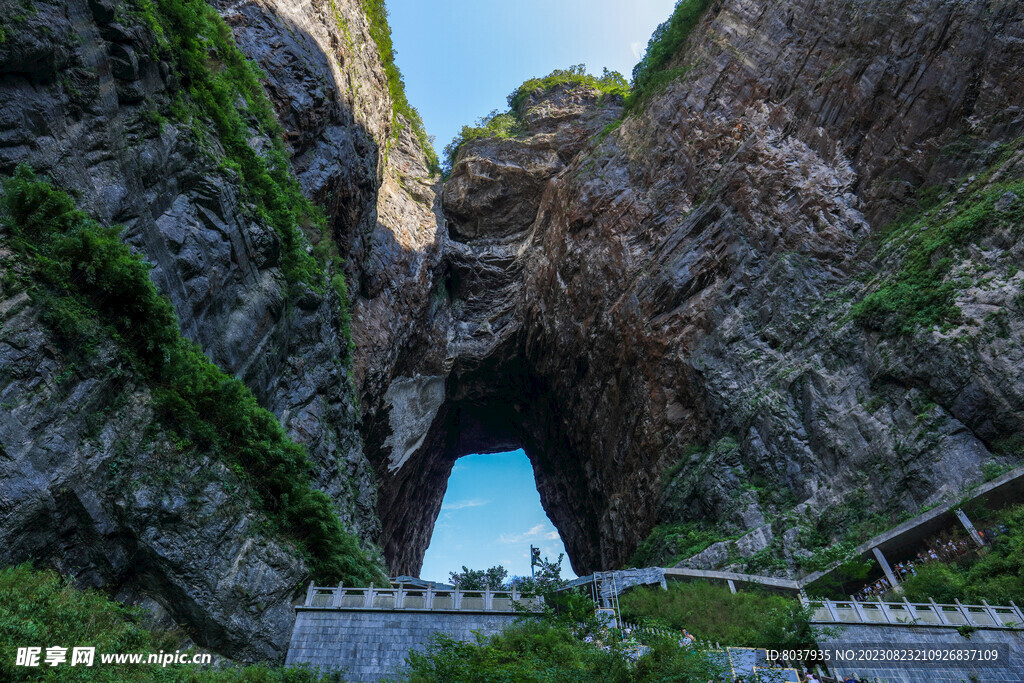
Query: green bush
x,y
650,75
91,288
667,544
713,613
553,648
40,609
936,581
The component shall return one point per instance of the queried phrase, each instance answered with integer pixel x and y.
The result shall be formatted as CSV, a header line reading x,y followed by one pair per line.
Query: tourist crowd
x,y
937,550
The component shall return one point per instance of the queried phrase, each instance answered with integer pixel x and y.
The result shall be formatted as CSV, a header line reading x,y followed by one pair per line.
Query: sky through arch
x,y
491,515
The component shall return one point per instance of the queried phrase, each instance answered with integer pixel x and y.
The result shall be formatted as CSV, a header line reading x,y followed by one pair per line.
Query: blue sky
x,y
491,515
460,58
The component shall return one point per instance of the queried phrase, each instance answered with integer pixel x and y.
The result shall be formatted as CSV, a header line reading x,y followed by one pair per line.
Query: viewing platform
x,y
399,597
918,614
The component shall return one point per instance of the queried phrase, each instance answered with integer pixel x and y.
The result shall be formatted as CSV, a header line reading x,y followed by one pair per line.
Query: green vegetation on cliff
x,y
922,293
509,123
996,576
224,87
608,83
669,544
651,74
40,609
377,13
220,85
91,288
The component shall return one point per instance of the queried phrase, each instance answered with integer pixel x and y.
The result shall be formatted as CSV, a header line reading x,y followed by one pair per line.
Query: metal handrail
x,y
416,598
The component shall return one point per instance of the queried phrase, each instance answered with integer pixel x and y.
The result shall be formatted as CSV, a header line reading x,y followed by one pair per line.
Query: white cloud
x,y
537,533
638,50
463,504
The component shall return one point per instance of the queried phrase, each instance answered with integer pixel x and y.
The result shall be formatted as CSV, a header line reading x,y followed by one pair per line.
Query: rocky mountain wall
x,y
618,303
88,481
701,316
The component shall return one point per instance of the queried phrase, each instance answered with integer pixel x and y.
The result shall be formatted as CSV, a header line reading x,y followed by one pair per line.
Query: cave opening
x,y
490,515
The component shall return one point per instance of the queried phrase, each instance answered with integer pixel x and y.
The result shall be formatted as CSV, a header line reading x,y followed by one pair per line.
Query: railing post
x,y
309,595
885,611
399,598
831,610
938,613
368,602
964,611
488,598
911,611
515,594
428,599
996,621
859,611
1020,615
337,596
457,599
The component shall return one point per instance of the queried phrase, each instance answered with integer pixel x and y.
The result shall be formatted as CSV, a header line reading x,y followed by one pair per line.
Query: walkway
x,y
897,543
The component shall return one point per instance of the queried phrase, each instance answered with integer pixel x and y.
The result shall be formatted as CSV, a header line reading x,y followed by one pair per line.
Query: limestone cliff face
x,y
88,483
616,305
659,313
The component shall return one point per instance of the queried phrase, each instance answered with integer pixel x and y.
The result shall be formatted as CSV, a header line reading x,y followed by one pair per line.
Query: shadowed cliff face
x,y
616,305
89,481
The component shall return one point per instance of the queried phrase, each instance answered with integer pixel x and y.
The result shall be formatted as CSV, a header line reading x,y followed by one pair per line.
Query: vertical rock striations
x,y
90,481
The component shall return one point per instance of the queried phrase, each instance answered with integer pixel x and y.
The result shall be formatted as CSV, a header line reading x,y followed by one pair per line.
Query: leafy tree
x,y
480,579
546,579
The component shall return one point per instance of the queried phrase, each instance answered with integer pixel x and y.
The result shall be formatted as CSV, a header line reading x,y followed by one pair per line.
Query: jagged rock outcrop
x,y
613,303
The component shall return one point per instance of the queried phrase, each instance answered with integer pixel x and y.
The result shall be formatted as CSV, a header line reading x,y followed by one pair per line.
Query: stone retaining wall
x,y
368,645
933,636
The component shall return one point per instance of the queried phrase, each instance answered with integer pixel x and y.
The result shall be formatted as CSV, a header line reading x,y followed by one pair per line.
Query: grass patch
x,y
40,609
91,288
651,74
675,541
712,612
